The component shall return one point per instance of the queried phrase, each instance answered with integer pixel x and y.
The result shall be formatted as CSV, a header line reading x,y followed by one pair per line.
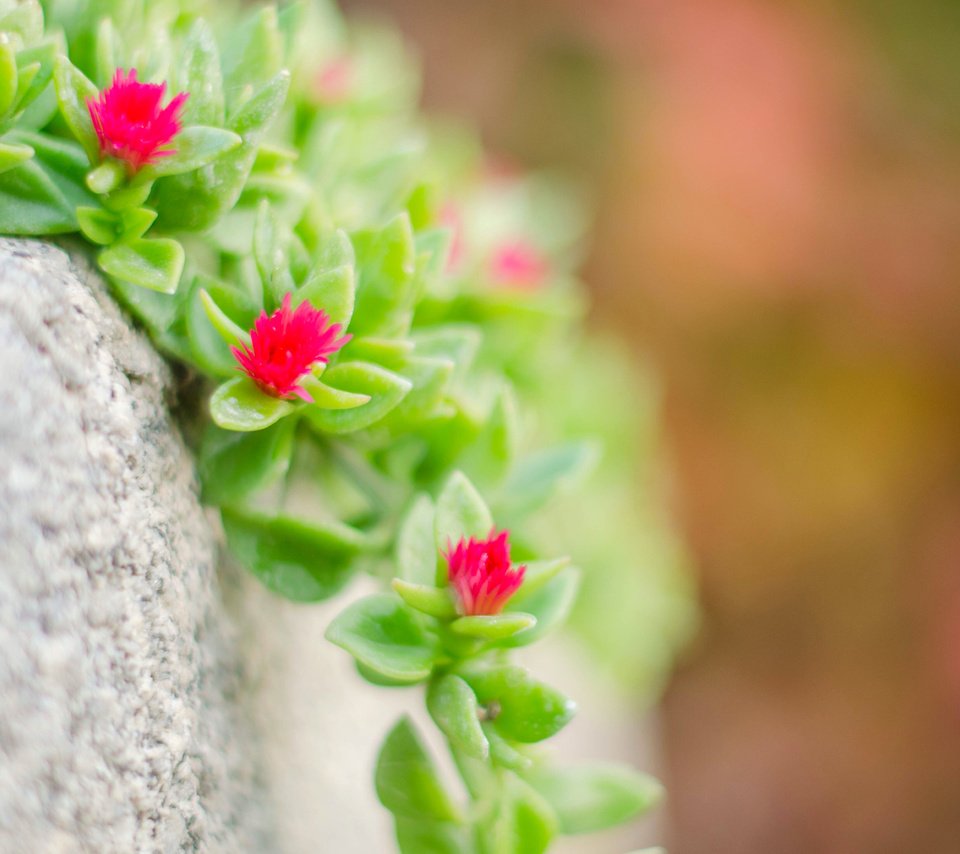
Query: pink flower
x,y
481,575
450,217
518,264
130,123
286,345
334,81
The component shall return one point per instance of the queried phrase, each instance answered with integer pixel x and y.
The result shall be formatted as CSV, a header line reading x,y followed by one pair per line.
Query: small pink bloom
x,y
518,264
130,123
481,575
334,80
286,345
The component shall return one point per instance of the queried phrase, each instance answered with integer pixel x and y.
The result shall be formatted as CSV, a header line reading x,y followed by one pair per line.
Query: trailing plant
x,y
388,329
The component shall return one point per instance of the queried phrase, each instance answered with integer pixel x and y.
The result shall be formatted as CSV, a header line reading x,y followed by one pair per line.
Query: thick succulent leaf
x,y
12,155
194,147
523,823
385,262
155,264
384,635
384,388
588,798
198,72
305,561
454,708
430,600
461,512
74,90
333,291
550,605
416,550
239,405
419,836
232,464
8,74
494,627
527,710
408,783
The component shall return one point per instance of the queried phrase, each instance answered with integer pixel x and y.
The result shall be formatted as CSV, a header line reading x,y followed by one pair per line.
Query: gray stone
x,y
122,726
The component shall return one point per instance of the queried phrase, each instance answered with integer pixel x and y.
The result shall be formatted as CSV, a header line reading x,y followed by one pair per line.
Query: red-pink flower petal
x,y
285,345
518,264
130,123
334,81
481,575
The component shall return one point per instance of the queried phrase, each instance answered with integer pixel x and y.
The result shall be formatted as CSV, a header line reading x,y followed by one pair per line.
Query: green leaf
x,y
524,823
385,265
105,52
239,404
254,51
135,222
407,781
430,376
198,72
106,177
491,455
384,635
232,333
416,549
232,465
528,710
384,388
35,65
588,798
25,19
332,291
268,251
97,225
154,264
458,342
551,605
194,147
32,204
73,92
8,74
12,155
419,836
194,200
537,574
454,709
505,754
538,477
434,601
392,353
326,397
461,512
495,627
299,560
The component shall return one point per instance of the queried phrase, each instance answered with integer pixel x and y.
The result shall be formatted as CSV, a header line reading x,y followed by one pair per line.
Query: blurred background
x,y
777,197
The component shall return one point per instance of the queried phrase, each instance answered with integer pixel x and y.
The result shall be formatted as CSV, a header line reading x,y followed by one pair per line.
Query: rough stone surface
x,y
121,725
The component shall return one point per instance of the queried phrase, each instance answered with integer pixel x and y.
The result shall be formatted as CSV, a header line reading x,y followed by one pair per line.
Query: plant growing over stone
x,y
375,318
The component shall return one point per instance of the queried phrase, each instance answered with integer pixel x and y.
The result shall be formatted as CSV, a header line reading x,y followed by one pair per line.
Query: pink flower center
x,y
285,346
481,574
130,123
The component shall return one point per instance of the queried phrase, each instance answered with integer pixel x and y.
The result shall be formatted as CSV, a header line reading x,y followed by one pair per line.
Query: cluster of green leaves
x,y
490,710
305,168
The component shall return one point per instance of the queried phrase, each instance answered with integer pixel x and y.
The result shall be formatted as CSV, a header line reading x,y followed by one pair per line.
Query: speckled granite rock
x,y
120,727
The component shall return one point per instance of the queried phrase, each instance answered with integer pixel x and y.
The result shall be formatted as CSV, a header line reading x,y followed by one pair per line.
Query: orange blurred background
x,y
777,188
